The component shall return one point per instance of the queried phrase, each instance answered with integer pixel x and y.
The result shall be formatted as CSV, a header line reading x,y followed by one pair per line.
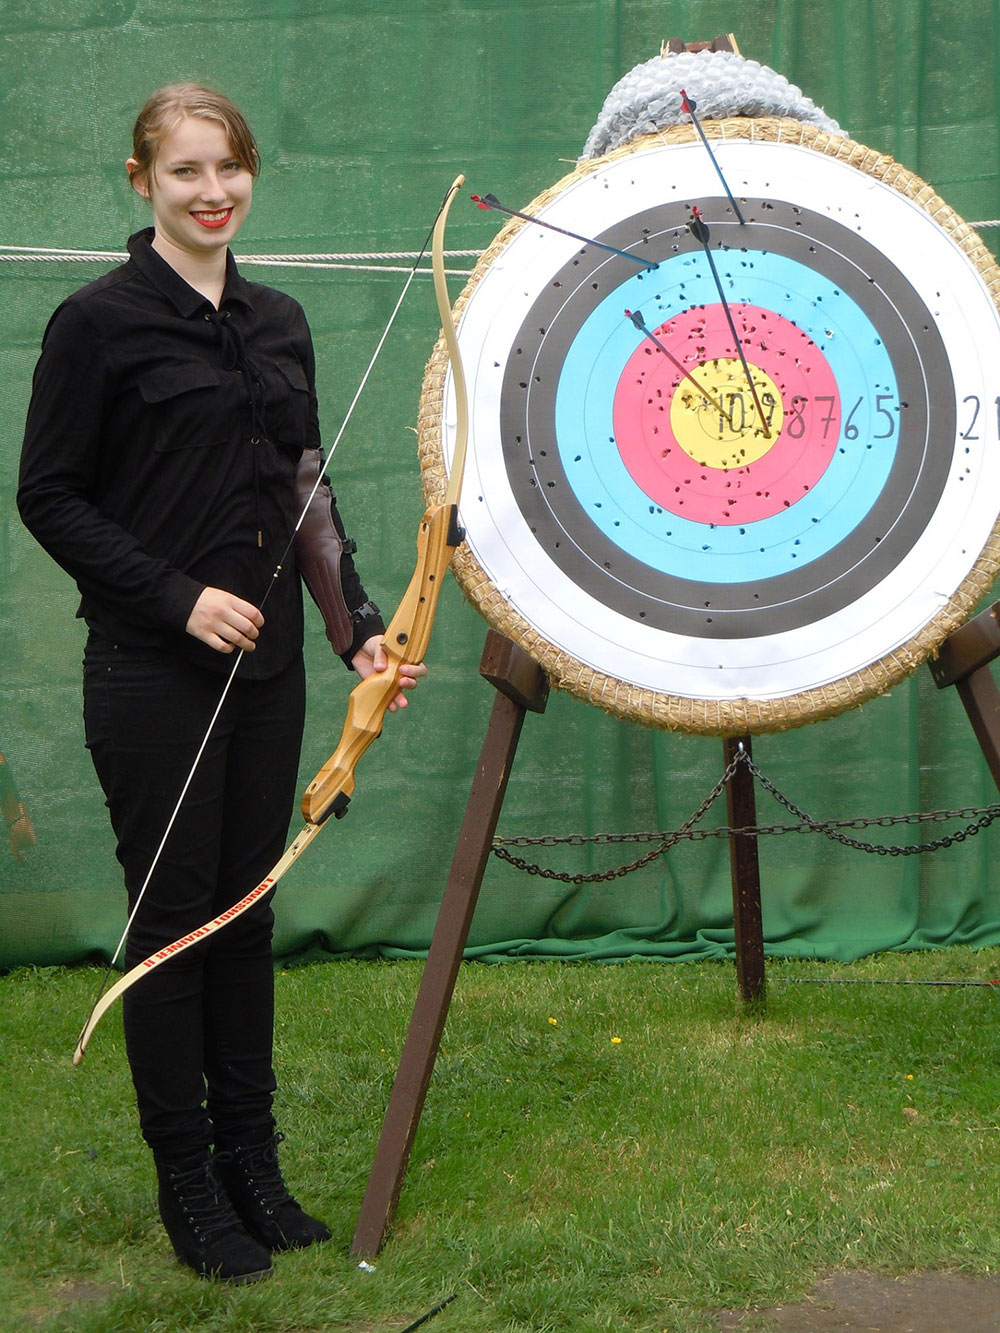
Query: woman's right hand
x,y
224,621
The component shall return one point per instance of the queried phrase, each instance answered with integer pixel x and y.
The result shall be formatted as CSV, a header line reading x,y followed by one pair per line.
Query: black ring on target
x,y
897,515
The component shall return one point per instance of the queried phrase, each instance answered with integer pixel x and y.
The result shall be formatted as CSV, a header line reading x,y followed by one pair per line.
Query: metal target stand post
x,y
744,868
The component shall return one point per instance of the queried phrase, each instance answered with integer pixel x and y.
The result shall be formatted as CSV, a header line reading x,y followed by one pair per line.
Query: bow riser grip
x,y
405,640
409,631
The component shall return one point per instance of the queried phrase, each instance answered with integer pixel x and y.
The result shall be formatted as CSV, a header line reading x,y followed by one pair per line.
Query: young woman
x,y
171,438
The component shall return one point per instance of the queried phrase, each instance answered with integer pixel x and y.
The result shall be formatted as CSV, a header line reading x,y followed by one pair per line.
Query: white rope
x,y
345,260
31,254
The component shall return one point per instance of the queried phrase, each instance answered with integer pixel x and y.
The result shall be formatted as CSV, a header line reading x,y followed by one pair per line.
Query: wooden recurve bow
x,y
405,641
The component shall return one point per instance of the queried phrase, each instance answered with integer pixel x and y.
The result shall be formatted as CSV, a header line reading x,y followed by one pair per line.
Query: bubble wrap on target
x,y
721,83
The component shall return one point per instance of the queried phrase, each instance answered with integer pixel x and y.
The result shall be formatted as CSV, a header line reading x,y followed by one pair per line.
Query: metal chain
x,y
978,819
666,841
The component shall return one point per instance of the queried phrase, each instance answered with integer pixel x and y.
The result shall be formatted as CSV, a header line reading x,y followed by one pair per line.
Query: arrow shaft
x,y
647,332
491,201
688,107
736,339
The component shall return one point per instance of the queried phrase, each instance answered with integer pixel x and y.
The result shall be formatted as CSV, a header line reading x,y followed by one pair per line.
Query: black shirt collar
x,y
185,299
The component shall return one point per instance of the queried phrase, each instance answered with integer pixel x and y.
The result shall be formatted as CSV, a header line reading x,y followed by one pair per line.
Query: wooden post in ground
x,y
744,869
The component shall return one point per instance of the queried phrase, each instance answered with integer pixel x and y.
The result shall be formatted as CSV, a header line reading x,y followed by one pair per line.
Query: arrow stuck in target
x,y
490,201
647,332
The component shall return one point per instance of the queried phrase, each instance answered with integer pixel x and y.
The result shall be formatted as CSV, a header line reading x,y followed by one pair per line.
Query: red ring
x,y
799,455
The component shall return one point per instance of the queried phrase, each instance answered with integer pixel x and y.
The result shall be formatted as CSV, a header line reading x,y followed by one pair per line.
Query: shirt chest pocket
x,y
188,406
287,405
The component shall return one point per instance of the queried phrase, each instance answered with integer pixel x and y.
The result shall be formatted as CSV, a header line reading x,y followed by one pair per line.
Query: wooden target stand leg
x,y
521,687
963,661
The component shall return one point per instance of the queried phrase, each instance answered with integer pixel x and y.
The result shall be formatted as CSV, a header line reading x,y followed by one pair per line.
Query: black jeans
x,y
199,1028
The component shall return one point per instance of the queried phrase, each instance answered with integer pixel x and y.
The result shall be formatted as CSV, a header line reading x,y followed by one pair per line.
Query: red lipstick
x,y
213,219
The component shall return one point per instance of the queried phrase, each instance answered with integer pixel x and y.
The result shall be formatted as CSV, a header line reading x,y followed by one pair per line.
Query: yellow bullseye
x,y
722,428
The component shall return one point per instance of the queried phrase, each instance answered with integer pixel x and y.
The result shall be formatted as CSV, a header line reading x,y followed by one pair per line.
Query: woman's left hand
x,y
371,657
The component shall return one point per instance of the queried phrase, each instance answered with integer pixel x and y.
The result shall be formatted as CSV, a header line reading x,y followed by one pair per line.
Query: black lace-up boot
x,y
202,1225
253,1181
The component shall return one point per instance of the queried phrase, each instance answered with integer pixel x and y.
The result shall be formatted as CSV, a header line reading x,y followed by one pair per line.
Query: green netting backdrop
x,y
364,113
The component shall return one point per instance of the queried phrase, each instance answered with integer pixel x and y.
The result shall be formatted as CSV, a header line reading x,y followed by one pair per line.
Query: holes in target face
x,y
576,486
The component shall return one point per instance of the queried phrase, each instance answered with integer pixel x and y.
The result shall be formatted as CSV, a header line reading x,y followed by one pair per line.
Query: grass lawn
x,y
604,1147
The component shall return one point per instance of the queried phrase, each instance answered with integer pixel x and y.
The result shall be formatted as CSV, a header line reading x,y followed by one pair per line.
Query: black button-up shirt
x,y
160,454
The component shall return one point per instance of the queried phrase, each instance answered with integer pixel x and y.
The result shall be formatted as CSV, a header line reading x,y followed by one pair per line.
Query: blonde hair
x,y
167,107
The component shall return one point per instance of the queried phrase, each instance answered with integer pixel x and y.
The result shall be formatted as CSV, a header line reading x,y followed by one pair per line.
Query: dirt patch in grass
x,y
860,1302
72,1293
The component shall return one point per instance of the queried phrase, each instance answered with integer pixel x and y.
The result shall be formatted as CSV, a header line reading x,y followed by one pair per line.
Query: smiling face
x,y
199,190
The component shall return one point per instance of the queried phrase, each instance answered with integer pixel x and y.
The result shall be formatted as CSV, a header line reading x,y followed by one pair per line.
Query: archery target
x,y
783,477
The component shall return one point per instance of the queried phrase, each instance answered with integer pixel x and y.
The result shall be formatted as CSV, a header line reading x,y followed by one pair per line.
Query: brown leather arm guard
x,y
318,550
